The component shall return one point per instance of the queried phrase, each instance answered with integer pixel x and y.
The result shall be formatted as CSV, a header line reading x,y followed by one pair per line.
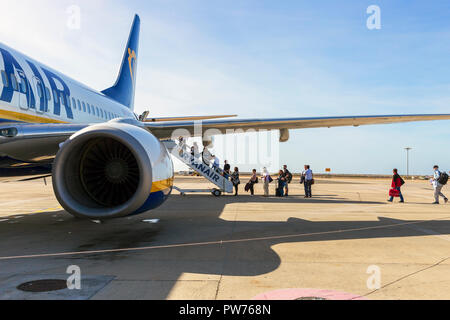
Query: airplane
x,y
107,162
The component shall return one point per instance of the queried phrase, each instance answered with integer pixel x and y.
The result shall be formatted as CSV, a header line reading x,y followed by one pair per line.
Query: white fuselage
x,y
31,92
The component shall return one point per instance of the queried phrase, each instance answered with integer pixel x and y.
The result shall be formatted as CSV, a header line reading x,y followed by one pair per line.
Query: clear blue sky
x,y
268,59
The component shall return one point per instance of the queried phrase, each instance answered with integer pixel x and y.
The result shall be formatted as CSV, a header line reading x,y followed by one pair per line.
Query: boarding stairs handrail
x,y
209,173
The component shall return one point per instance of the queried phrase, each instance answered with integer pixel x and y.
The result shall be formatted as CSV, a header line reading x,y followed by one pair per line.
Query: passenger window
x,y
98,112
101,112
84,107
74,104
23,86
55,96
47,93
5,79
14,82
79,105
39,89
62,100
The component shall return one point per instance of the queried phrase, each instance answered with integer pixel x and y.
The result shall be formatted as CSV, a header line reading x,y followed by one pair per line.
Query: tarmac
x,y
347,242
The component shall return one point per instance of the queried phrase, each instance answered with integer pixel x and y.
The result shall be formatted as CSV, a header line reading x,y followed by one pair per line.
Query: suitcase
x,y
278,192
394,193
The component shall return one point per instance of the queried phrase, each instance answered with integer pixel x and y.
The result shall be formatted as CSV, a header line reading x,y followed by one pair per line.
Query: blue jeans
x,y
308,191
401,196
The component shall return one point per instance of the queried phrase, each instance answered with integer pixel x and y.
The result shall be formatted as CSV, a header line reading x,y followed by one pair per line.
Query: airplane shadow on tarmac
x,y
183,220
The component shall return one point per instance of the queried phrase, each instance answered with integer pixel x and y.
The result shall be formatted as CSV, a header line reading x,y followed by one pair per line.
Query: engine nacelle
x,y
112,170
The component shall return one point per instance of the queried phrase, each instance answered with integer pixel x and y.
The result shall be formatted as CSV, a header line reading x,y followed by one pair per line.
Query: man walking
x,y
397,183
439,180
288,176
308,180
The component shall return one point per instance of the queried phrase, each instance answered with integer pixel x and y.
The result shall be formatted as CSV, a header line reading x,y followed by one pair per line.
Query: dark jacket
x,y
397,181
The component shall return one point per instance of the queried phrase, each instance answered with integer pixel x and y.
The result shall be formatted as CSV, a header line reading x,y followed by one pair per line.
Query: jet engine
x,y
112,170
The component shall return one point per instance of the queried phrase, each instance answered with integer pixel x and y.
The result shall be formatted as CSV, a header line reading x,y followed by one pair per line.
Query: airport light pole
x,y
407,160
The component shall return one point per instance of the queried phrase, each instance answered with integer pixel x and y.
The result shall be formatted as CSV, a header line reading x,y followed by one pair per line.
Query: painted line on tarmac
x,y
219,242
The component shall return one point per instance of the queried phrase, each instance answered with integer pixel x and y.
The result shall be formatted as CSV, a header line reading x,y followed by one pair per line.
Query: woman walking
x,y
252,182
267,179
281,183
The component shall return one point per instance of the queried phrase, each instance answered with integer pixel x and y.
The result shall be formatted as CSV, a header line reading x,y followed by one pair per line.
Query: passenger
x,y
288,176
267,179
438,184
196,152
207,156
216,163
235,180
182,145
281,184
308,180
226,170
397,183
252,182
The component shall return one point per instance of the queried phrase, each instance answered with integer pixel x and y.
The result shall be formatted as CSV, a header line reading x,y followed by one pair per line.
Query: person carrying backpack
x,y
397,183
439,180
288,176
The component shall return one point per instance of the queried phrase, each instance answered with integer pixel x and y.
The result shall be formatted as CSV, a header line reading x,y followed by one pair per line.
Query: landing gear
x,y
216,192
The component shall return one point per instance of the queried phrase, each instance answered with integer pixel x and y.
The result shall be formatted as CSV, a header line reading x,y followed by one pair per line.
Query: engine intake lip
x,y
102,172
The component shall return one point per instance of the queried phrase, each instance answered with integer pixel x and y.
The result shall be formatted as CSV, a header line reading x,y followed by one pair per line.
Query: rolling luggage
x,y
279,192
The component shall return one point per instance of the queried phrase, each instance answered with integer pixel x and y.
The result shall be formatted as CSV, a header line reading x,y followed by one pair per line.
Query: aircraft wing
x,y
34,142
40,142
164,130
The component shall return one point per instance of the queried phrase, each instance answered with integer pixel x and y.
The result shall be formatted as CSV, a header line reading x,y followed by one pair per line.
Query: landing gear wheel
x,y
216,193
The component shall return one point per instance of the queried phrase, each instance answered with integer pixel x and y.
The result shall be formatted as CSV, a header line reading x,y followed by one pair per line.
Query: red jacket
x,y
396,182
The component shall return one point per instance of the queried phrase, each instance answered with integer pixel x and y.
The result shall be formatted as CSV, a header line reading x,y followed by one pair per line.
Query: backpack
x,y
288,176
443,178
402,182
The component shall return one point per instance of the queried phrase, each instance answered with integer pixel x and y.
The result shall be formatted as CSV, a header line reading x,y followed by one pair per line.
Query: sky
x,y
265,59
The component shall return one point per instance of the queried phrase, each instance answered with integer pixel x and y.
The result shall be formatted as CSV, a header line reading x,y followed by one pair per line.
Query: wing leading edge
x,y
164,130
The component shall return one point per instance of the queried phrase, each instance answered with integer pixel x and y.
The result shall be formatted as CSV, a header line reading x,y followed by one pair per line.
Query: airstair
x,y
211,174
